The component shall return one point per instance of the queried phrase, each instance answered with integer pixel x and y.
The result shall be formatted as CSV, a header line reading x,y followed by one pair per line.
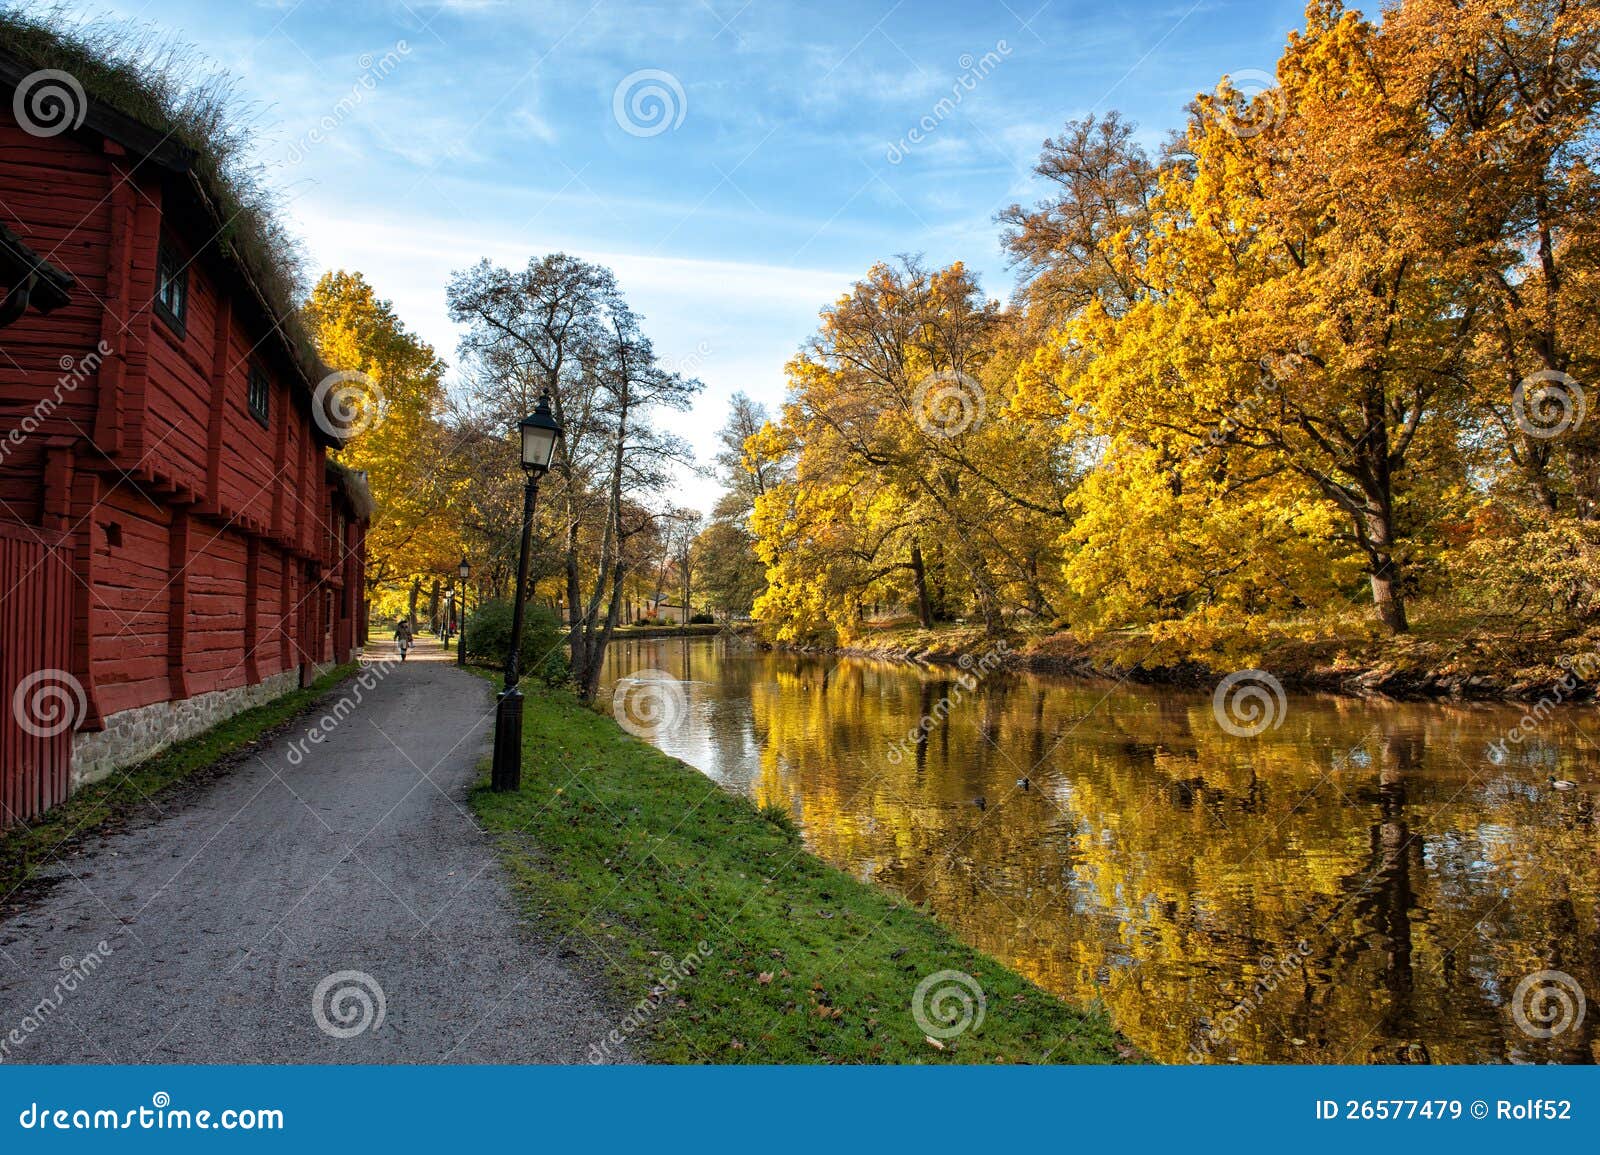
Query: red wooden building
x,y
175,544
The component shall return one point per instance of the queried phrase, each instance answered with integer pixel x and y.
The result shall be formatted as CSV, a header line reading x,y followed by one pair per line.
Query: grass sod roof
x,y
170,89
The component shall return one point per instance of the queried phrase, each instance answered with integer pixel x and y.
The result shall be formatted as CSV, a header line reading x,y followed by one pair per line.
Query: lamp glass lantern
x,y
540,433
464,569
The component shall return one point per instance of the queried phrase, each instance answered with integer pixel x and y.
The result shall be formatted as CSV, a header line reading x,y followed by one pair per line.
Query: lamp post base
x,y
506,774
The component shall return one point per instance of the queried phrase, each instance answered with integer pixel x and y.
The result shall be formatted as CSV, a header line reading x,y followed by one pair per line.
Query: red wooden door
x,y
44,703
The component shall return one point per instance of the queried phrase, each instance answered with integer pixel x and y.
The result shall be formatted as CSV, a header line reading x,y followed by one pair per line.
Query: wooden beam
x,y
87,490
219,397
252,595
110,419
178,604
59,465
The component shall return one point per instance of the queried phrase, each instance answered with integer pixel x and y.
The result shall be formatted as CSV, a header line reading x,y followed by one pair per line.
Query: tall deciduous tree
x,y
404,446
560,328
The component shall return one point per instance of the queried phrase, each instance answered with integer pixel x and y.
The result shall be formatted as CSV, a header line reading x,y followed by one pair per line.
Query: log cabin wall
x,y
215,555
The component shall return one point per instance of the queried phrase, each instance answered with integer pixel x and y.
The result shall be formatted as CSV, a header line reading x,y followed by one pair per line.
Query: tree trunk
x,y
1377,523
433,606
919,574
1386,596
610,562
988,603
590,684
688,589
574,629
1583,464
411,609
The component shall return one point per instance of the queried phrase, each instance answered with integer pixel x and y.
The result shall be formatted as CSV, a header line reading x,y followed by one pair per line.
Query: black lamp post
x,y
540,433
465,570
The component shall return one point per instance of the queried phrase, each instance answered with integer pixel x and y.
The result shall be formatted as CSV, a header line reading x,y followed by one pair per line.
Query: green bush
x,y
702,620
544,648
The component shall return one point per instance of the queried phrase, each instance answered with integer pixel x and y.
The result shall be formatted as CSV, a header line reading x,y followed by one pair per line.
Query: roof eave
x,y
52,288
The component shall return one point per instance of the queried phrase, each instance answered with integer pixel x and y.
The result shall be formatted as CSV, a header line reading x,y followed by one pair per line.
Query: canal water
x,y
1359,882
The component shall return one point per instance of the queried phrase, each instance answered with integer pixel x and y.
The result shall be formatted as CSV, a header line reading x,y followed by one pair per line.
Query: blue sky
x,y
782,170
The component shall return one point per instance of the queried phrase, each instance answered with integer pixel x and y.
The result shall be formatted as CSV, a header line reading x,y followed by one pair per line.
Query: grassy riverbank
x,y
642,862
26,847
1463,656
698,630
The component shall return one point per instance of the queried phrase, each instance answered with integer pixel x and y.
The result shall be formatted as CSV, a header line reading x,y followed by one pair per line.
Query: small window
x,y
260,391
172,288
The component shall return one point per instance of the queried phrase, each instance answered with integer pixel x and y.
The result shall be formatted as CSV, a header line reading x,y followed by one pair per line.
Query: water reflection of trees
x,y
1169,869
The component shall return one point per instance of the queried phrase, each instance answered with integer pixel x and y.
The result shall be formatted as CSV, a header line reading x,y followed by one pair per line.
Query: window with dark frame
x,y
172,288
260,392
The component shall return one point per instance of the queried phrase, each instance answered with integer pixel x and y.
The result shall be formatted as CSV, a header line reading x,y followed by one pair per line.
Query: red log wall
x,y
203,543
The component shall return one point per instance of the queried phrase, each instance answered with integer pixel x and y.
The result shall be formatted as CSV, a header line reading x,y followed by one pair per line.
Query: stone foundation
x,y
138,733
320,668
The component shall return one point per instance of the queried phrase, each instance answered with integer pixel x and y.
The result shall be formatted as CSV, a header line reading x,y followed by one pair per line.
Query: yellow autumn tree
x,y
1325,357
394,384
909,488
1302,332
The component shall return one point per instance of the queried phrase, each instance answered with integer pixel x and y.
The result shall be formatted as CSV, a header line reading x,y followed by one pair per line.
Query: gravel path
x,y
360,870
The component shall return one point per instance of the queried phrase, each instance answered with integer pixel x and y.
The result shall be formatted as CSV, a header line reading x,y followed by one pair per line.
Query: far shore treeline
x,y
1321,366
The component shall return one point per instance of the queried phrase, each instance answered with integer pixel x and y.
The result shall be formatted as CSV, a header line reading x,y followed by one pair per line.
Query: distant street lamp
x,y
465,570
540,434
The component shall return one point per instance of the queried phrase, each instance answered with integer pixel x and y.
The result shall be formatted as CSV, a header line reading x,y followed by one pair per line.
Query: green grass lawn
x,y
726,941
25,848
